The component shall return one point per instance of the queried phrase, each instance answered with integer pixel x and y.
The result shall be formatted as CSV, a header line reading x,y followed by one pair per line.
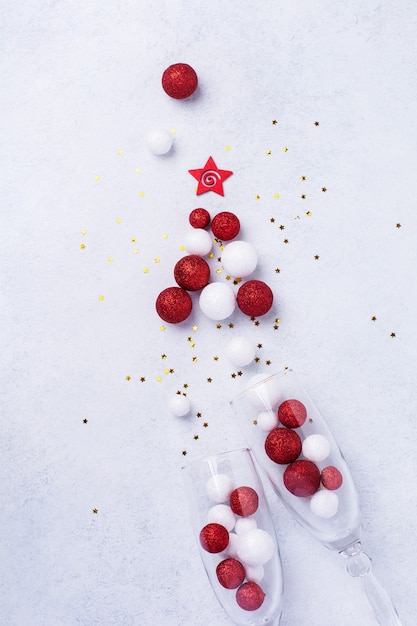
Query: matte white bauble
x,y
267,420
159,141
240,351
217,301
232,546
245,524
222,514
198,241
324,503
239,258
316,448
255,547
179,405
254,573
263,391
219,487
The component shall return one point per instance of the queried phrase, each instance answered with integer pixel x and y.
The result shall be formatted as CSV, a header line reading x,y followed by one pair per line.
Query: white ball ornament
x,y
255,547
239,258
254,573
316,448
198,241
232,546
324,503
217,301
240,351
159,141
267,420
219,487
244,525
179,405
263,391
222,514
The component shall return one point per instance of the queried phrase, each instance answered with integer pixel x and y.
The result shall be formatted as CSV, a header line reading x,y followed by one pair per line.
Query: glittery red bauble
x,y
192,272
230,573
225,226
292,413
331,477
250,596
214,537
173,305
302,478
179,81
254,298
283,445
199,218
244,501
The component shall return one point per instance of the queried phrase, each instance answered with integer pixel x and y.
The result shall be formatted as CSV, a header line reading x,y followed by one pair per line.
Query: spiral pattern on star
x,y
210,178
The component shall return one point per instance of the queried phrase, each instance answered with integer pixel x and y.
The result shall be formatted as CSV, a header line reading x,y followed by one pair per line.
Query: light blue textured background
x,y
80,81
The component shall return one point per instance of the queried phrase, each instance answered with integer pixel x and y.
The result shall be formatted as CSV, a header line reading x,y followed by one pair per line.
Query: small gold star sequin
x,y
259,345
231,325
145,270
218,270
227,148
196,437
285,149
162,327
393,335
82,246
257,197
83,232
128,378
303,197
398,225
133,240
205,424
157,260
119,220
159,379
282,227
240,373
164,236
268,362
184,452
96,177
228,277
255,422
211,255
285,240
373,318
316,256
101,298
275,327
95,511
135,251
218,326
110,259
85,421
272,220
198,414
277,320
274,122
182,247
277,270
257,322
209,380
119,152
237,281
137,170
195,327
142,379
215,358
257,359
185,385
303,177
276,195
195,359
166,371
324,189
141,194
268,152
233,375
308,213
316,123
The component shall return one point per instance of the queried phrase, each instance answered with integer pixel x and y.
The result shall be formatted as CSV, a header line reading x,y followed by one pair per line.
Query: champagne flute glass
x,y
292,443
235,536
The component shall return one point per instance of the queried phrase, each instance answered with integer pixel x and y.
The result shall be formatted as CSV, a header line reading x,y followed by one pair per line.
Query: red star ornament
x,y
210,178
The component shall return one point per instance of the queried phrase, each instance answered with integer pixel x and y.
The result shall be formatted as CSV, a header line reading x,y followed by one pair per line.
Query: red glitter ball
x,y
173,305
292,413
254,298
283,445
244,501
225,226
250,596
192,272
302,478
179,81
214,538
199,218
331,477
230,573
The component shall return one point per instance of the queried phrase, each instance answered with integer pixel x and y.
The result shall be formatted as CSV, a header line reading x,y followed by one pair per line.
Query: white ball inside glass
x,y
324,503
240,351
232,546
217,301
219,487
255,547
245,524
316,448
179,405
267,420
254,573
222,514
239,258
198,241
263,391
159,141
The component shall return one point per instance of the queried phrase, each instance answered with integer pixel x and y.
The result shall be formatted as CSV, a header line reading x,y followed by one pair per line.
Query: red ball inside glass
x,y
225,226
283,445
199,218
214,538
230,573
250,596
179,81
302,478
331,477
192,272
254,298
244,501
292,413
173,305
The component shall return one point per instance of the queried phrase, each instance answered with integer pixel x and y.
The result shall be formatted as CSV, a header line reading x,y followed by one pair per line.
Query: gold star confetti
x,y
83,232
231,325
159,379
215,358
182,247
257,322
82,246
141,194
316,256
277,270
157,259
119,220
276,195
259,345
163,356
128,378
209,380
268,362
162,327
110,259
101,298
195,359
255,422
85,421
282,227
219,270
303,177
275,327
277,320
145,270
96,177
185,385
373,318
211,255
324,189
227,148
257,359
218,326
233,375
137,170
398,225
196,437
308,213
119,152
195,327
166,371
133,240
316,123
285,149
184,452
285,240
268,152
95,511
272,220
198,414
164,236
205,424
303,197
240,373
142,379
257,197
393,335
274,122
135,251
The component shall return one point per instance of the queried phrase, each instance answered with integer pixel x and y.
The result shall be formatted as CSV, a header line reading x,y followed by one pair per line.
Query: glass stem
x,y
359,565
